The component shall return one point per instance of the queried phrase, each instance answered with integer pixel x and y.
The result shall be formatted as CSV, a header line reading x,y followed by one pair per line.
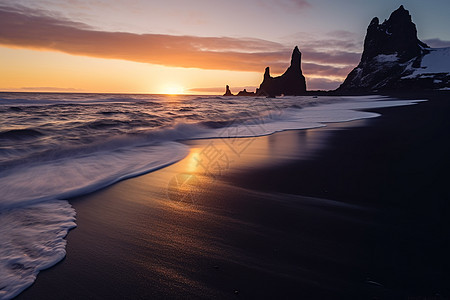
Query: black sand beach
x,y
355,210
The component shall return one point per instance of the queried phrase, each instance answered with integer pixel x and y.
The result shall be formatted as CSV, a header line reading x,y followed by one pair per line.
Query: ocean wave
x,y
216,124
15,108
76,174
74,98
19,134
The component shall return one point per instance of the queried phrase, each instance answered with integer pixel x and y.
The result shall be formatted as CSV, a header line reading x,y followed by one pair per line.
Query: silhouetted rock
x,y
394,59
228,92
397,35
292,82
245,93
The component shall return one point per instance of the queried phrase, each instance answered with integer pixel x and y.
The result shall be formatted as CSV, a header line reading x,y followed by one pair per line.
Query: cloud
x,y
437,43
291,6
322,83
217,90
336,50
301,4
44,89
331,57
36,29
221,90
341,34
325,70
24,28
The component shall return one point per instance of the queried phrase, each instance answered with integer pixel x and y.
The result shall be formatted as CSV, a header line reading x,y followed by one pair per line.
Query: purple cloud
x,y
437,43
322,83
300,3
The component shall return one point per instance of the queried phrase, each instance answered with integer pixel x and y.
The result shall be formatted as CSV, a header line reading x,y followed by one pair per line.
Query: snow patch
x,y
437,61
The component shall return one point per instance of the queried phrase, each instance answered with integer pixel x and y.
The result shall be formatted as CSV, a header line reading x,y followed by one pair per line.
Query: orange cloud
x,y
21,28
44,88
26,28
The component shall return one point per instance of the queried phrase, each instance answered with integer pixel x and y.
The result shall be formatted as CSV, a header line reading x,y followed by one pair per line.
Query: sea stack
x,y
227,91
394,59
291,83
246,93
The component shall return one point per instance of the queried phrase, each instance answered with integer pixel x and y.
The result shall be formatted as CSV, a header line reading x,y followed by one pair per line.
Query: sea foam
x,y
32,239
82,173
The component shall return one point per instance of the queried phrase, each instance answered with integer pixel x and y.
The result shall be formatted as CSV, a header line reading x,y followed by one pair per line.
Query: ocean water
x,y
57,146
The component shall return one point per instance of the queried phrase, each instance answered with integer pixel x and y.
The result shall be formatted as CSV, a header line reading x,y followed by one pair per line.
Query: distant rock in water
x,y
228,92
245,93
241,93
394,59
291,83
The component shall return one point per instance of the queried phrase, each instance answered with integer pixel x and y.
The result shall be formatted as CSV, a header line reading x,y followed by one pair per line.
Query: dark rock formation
x,y
291,83
392,59
228,92
397,35
245,93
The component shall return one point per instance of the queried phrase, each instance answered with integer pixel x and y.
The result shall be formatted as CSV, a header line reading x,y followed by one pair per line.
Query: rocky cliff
x,y
394,59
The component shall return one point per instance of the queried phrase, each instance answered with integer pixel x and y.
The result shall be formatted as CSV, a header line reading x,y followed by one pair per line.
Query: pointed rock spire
x,y
292,82
227,91
296,60
267,73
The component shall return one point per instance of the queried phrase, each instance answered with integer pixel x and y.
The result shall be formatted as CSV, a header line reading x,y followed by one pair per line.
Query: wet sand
x,y
352,210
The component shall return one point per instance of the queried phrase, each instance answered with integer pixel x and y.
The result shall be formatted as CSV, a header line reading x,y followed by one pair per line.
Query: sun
x,y
172,89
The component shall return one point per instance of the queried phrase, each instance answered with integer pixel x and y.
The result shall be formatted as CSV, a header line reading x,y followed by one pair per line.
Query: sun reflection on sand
x,y
184,185
192,160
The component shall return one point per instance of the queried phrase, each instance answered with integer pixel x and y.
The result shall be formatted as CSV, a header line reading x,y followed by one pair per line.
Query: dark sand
x,y
356,210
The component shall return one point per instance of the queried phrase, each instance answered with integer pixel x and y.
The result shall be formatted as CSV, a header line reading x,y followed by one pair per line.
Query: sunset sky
x,y
194,47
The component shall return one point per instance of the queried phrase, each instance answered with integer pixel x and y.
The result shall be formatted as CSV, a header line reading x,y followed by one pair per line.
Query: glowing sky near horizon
x,y
197,46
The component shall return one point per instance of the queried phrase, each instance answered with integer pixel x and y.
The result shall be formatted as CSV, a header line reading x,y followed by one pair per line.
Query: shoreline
x,y
118,224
